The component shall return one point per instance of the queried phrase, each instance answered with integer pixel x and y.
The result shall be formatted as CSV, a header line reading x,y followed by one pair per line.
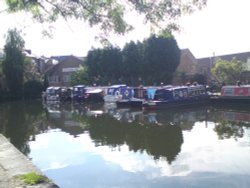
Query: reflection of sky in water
x,y
204,161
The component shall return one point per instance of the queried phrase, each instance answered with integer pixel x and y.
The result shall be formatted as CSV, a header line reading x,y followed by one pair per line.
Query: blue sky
x,y
222,27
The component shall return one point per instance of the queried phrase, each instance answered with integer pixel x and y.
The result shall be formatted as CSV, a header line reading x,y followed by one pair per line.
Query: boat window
x,y
185,93
180,93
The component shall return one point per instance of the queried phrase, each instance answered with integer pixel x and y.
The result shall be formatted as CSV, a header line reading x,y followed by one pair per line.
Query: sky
x,y
221,28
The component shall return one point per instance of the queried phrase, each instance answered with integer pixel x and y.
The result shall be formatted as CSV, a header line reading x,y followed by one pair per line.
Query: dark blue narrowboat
x,y
79,93
177,96
94,95
53,94
137,96
66,94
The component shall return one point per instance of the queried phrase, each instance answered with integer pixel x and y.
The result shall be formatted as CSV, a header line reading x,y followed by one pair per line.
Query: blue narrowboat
x,y
93,95
66,94
79,93
177,96
52,93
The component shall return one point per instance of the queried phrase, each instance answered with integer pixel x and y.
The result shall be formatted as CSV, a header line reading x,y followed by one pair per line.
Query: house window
x,y
66,78
53,79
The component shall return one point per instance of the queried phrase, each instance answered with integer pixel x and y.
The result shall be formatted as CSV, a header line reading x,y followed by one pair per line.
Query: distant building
x,y
205,65
59,69
189,66
186,68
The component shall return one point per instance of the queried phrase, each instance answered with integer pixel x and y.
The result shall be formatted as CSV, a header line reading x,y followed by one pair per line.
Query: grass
x,y
32,178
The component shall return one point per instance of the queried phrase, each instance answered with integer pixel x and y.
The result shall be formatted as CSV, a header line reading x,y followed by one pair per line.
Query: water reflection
x,y
231,123
20,122
70,141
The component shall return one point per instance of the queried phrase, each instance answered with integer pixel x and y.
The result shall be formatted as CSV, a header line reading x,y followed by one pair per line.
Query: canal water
x,y
98,145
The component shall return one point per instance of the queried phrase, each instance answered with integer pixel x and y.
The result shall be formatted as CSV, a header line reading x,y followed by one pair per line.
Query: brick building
x,y
59,73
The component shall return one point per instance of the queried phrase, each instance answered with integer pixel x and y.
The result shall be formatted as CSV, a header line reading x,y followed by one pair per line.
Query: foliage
x,y
32,178
226,129
80,77
13,63
161,58
30,70
32,89
109,15
151,62
45,82
132,63
104,65
228,71
199,78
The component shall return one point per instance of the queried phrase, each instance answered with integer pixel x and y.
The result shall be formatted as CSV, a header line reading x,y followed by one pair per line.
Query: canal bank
x,y
13,164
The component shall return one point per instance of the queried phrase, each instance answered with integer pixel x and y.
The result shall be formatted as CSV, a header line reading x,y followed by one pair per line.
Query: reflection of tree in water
x,y
158,141
231,123
20,120
227,129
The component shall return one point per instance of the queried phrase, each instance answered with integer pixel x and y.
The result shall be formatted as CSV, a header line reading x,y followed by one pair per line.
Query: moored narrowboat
x,y
66,94
114,93
53,93
238,94
177,96
79,93
93,95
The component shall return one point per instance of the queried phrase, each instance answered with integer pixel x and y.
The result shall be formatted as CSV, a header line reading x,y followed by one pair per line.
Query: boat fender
x,y
126,93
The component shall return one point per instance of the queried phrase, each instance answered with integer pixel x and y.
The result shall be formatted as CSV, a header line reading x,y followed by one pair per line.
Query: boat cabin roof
x,y
232,87
117,86
53,88
77,86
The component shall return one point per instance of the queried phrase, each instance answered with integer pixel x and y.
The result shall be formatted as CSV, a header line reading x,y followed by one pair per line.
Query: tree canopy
x,y
149,62
109,15
228,71
13,63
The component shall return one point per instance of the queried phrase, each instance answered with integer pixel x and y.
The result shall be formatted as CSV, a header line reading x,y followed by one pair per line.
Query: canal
x,y
98,145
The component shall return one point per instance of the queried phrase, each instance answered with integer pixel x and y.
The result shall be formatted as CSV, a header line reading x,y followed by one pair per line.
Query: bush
x,y
32,89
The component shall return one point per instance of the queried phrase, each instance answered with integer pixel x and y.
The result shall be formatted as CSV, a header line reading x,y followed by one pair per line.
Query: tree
x,y
104,65
109,15
228,71
80,77
161,58
31,71
132,60
199,78
13,63
151,62
32,89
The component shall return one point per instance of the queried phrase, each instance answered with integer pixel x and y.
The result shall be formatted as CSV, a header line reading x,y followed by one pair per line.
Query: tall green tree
x,y
161,58
132,62
228,71
104,65
109,14
80,77
13,63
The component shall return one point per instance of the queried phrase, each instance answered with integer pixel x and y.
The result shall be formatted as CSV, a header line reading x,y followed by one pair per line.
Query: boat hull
x,y
132,103
172,104
240,100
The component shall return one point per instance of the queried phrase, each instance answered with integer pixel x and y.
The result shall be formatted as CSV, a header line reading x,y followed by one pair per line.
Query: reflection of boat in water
x,y
184,117
237,116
